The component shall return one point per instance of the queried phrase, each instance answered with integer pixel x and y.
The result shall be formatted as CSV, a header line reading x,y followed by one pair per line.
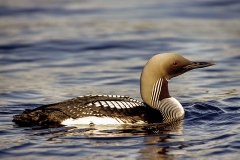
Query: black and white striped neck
x,y
161,100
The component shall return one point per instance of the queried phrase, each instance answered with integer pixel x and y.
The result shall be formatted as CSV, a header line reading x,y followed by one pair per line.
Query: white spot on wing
x,y
127,106
89,104
110,104
120,104
97,104
104,104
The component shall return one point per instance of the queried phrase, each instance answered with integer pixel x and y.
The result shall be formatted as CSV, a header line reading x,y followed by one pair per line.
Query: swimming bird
x,y
157,106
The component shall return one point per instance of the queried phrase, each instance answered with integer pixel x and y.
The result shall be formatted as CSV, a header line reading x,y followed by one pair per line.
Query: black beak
x,y
195,65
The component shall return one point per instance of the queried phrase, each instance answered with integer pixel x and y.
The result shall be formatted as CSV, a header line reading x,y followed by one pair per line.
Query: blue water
x,y
51,51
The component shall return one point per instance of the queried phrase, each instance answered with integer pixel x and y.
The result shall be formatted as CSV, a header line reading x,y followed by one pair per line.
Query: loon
x,y
157,106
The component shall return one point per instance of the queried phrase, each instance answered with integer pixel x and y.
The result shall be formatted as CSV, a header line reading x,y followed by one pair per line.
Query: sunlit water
x,y
53,50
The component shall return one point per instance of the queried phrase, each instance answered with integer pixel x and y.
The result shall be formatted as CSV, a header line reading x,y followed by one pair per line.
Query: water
x,y
54,50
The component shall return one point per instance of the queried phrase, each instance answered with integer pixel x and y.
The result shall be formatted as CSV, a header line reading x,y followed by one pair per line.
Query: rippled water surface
x,y
54,50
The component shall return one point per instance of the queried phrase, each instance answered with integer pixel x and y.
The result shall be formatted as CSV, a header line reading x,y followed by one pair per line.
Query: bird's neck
x,y
159,92
154,89
160,99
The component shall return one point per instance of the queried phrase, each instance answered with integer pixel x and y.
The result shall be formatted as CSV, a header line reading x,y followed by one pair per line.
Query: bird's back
x,y
88,109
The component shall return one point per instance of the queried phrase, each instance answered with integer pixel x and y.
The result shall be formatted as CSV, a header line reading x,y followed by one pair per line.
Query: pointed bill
x,y
195,65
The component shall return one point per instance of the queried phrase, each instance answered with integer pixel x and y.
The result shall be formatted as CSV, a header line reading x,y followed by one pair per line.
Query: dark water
x,y
54,50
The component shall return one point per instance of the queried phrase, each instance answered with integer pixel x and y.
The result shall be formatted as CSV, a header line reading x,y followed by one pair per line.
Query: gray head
x,y
164,66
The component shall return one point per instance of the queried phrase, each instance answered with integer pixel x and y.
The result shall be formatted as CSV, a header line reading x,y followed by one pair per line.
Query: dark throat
x,y
164,90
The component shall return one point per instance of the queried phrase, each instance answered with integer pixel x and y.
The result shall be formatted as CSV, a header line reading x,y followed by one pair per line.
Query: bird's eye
x,y
174,63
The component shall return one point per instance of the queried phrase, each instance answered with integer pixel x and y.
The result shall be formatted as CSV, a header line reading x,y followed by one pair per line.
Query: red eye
x,y
174,63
